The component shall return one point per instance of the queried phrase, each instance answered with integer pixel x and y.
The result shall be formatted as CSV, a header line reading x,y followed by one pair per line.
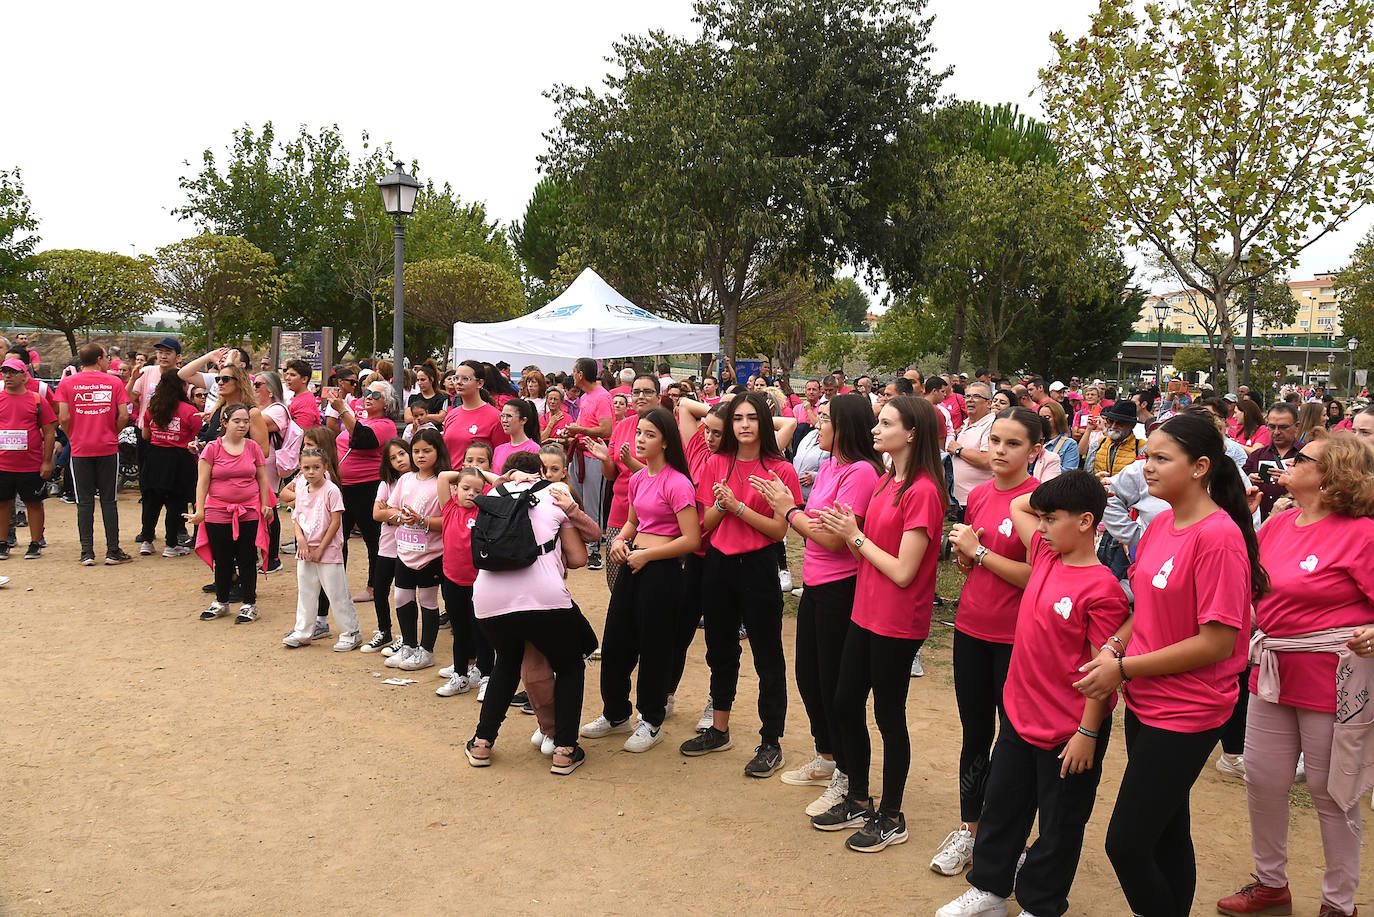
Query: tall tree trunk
x,y
729,330
994,347
70,335
956,341
1228,337
210,332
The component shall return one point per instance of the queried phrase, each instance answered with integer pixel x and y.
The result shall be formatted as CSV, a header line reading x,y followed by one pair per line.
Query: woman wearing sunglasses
x,y
361,436
271,400
235,387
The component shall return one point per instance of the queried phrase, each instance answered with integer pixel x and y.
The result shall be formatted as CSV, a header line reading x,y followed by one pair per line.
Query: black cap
x,y
169,344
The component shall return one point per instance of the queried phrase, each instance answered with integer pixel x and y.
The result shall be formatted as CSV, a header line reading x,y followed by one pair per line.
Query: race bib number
x,y
411,539
14,440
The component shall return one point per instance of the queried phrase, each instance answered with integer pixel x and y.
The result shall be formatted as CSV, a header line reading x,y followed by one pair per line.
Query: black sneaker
x,y
34,552
766,761
116,557
527,709
4,550
68,499
594,562
879,831
520,699
443,619
706,742
847,813
271,568
88,560
208,589
574,762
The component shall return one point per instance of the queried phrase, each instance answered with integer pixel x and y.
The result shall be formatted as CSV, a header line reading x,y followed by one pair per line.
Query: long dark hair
x,y
389,474
496,382
673,452
851,422
923,455
529,417
768,440
169,394
435,439
1199,438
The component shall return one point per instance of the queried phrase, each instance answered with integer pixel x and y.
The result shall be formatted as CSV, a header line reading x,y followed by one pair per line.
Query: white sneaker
x,y
446,672
708,717
1300,775
785,580
399,656
322,631
176,551
349,641
955,854
537,740
1231,765
603,727
644,737
396,646
797,593
668,706
145,549
817,771
474,674
975,903
293,639
916,669
419,658
482,688
834,793
456,684
548,746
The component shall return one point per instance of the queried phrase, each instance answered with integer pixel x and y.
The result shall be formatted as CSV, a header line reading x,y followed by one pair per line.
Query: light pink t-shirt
x,y
503,452
836,485
735,536
538,587
880,605
417,546
657,499
805,413
1182,580
988,605
233,478
974,437
1320,576
1066,614
386,545
313,512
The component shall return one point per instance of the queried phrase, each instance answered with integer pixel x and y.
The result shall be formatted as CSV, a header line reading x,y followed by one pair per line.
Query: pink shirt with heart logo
x,y
988,605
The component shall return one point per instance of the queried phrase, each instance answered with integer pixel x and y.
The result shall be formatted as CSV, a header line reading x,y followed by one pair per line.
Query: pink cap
x,y
15,364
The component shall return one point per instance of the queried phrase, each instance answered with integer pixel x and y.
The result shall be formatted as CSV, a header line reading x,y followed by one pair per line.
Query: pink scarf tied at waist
x,y
262,540
1352,741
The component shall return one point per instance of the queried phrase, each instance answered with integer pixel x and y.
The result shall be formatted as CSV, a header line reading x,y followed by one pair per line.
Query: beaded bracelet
x,y
1087,732
1121,666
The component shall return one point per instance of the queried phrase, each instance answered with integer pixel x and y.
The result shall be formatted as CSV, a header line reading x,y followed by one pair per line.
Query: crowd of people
x,y
1202,560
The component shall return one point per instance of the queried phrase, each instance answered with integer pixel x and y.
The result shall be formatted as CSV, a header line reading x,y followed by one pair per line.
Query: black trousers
x,y
872,663
458,604
980,671
822,623
358,500
1025,781
639,630
689,612
230,554
1233,732
1149,839
743,588
558,634
92,475
155,503
166,479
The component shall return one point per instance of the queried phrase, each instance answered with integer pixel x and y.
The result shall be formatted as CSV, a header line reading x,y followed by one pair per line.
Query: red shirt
x,y
180,430
623,434
988,605
93,399
22,418
358,466
1066,614
464,425
458,523
734,535
880,605
304,409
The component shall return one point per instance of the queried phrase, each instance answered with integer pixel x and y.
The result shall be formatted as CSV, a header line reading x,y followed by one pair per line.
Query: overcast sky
x,y
108,101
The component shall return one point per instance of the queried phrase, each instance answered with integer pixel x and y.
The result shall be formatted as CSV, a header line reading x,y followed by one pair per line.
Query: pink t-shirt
x,y
593,407
697,454
538,587
357,466
557,429
805,413
504,451
416,546
880,605
657,499
93,399
144,386
973,437
386,544
734,535
180,430
1259,438
1067,613
304,409
233,479
463,425
1181,580
458,523
836,485
313,512
954,406
1320,576
22,418
988,605
622,435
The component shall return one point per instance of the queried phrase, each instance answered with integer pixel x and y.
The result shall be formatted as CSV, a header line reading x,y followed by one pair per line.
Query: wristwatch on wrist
x,y
958,451
859,541
979,554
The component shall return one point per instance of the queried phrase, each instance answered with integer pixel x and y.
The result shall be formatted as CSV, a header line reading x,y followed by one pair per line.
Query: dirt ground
x,y
151,763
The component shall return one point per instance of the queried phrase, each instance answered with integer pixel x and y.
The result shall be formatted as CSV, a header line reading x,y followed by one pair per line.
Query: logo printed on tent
x,y
560,312
630,312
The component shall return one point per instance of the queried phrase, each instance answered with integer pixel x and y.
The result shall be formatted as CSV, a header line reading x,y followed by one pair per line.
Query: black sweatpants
x,y
639,630
558,634
157,501
689,612
92,475
822,623
980,671
358,500
229,554
458,604
743,588
1149,839
872,663
1025,781
1233,732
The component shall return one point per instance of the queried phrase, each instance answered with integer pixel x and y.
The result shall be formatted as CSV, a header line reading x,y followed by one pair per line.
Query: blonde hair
x,y
1311,422
1059,421
1347,468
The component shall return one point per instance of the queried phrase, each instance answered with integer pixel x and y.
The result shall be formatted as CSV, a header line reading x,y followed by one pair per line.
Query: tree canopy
x,y
18,231
72,290
221,285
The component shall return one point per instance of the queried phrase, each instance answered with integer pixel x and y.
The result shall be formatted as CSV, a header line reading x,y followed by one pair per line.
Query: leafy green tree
x,y
1192,359
849,304
218,284
18,231
1236,128
463,288
911,329
1355,292
541,236
76,290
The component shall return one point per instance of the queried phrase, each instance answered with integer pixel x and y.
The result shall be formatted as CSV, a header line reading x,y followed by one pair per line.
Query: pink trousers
x,y
1274,736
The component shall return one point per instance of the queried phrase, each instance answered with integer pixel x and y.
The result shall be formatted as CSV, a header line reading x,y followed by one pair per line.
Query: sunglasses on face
x,y
259,384
1303,457
223,379
373,395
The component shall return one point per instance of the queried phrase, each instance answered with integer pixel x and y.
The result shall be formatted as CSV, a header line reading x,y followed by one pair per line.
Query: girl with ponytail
x,y
1197,571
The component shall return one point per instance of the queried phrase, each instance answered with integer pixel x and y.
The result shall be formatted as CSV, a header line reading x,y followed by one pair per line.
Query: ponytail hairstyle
x,y
435,439
1031,421
768,440
673,453
1199,438
481,376
529,417
851,422
923,455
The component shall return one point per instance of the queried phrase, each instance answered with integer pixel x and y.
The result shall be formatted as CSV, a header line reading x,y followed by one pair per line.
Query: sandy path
x,y
151,763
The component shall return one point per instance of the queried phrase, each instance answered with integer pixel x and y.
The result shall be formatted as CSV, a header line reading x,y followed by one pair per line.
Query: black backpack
x,y
503,538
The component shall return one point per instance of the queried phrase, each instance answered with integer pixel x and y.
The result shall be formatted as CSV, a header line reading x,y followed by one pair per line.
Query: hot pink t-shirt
x,y
697,454
988,605
538,587
357,466
180,430
622,435
880,605
93,399
805,413
463,425
304,409
386,545
1066,614
594,406
557,429
233,478
505,450
1320,576
313,512
1259,438
458,523
734,535
416,546
1181,580
657,499
836,485
22,418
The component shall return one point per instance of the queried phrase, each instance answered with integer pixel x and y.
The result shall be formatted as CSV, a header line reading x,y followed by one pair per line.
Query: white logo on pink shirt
x,y
1005,528
1064,607
1161,579
1310,563
473,429
472,523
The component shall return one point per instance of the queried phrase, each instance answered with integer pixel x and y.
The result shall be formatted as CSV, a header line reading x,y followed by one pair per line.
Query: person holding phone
x,y
1266,463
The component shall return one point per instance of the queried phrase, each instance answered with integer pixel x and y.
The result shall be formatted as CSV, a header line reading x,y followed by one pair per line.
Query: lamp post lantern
x,y
1161,313
1119,355
1352,345
399,191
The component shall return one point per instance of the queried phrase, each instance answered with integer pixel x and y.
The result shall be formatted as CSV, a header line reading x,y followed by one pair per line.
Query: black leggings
x,y
743,588
1149,840
358,500
458,604
558,634
882,665
639,629
688,617
980,671
229,554
822,623
1233,732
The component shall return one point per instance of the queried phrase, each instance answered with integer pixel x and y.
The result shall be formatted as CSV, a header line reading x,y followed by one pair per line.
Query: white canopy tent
x,y
590,319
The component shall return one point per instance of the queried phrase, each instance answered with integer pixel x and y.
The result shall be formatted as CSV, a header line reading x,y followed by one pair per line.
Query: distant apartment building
x,y
1192,313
